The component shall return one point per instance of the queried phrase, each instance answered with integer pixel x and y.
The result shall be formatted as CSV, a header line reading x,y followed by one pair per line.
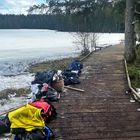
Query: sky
x,y
17,6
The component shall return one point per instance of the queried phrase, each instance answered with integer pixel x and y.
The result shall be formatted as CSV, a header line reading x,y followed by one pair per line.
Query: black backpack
x,y
46,134
44,77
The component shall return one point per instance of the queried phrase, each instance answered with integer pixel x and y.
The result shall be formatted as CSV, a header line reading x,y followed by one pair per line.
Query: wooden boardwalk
x,y
103,111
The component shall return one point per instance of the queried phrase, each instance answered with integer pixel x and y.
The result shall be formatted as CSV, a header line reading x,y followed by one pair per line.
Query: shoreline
x,y
59,64
50,65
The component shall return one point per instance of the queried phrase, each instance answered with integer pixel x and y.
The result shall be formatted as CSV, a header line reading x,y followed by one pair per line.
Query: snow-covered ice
x,y
18,81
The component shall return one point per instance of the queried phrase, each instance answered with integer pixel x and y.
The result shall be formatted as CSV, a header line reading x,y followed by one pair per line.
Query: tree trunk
x,y
130,54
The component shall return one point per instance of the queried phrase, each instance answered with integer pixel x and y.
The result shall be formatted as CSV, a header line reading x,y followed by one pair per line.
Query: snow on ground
x,y
13,82
104,39
18,81
13,102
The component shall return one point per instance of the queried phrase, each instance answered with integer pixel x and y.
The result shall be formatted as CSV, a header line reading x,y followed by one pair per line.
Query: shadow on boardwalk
x,y
103,111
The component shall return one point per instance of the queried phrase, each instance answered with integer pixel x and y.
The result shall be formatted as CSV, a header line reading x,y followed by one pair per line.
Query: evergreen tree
x,y
129,32
71,15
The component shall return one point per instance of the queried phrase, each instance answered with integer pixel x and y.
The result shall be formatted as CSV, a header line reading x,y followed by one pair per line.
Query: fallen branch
x,y
86,56
136,95
72,88
137,12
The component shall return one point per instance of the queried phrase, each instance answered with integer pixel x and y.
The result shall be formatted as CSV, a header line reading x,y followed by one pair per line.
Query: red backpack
x,y
48,110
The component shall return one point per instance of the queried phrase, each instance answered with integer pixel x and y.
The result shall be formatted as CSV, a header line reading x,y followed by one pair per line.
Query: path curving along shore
x,y
103,111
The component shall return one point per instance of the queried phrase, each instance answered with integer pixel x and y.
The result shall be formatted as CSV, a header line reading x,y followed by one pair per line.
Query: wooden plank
x,y
73,88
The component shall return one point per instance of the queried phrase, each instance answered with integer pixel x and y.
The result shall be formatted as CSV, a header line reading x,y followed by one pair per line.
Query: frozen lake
x,y
19,48
34,44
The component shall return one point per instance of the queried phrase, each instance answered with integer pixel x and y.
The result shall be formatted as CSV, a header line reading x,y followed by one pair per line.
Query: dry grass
x,y
50,65
19,92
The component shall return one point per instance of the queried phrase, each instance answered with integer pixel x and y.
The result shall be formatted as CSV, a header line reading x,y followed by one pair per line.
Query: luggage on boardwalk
x,y
45,91
70,77
69,73
58,85
71,80
75,65
45,134
72,72
55,83
48,110
27,122
4,125
44,77
27,117
52,95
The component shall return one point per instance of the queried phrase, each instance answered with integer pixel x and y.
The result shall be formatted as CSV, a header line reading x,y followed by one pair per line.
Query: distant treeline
x,y
91,17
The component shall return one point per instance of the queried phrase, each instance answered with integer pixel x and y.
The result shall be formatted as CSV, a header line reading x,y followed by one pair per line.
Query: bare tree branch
x,y
137,12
